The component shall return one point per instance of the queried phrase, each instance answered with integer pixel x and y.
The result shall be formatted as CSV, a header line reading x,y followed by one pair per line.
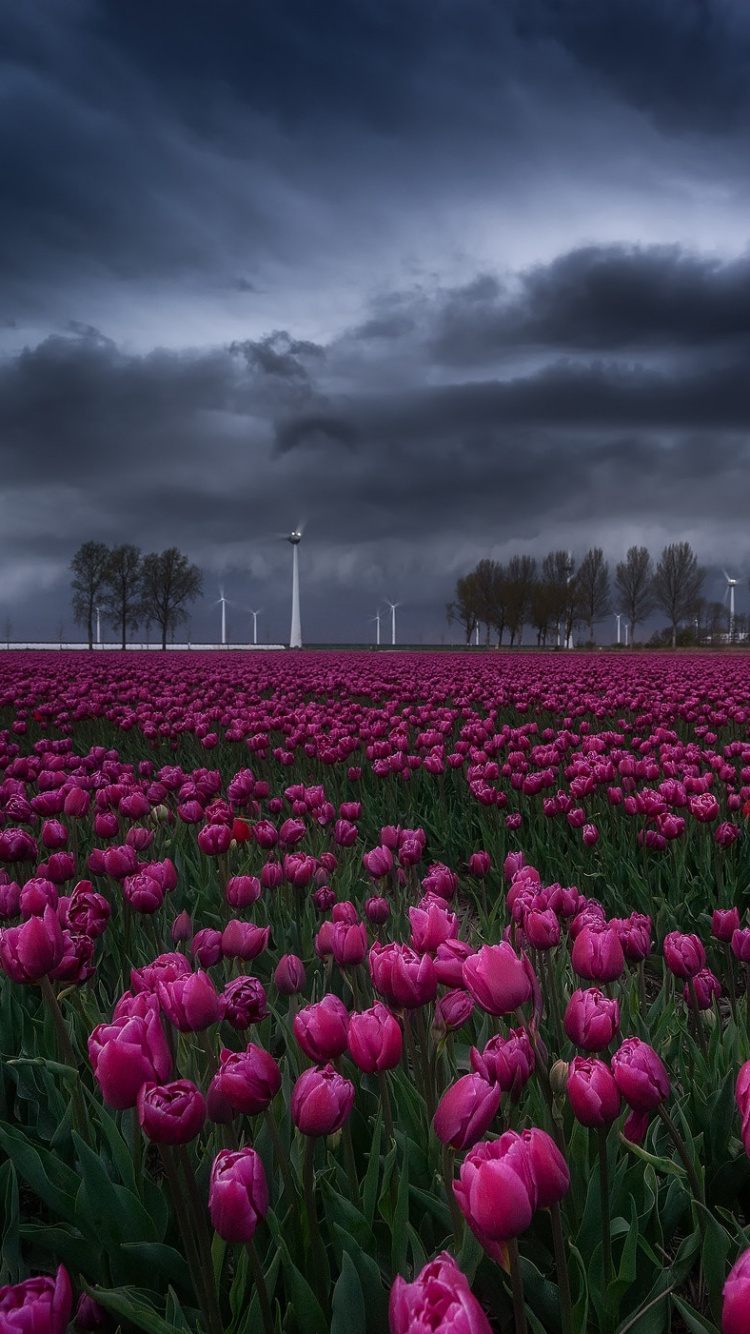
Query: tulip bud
x,y
237,1194
289,977
466,1111
182,927
321,1101
375,1039
322,1030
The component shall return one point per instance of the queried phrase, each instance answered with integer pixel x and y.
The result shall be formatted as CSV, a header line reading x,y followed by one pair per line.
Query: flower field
x,y
366,992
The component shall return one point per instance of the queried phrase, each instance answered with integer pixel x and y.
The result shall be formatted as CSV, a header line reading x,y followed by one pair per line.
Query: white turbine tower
x,y
98,625
255,615
295,633
221,599
393,606
618,617
376,619
731,585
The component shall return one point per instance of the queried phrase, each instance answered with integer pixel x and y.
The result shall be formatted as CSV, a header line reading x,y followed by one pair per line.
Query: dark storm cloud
x,y
431,277
600,297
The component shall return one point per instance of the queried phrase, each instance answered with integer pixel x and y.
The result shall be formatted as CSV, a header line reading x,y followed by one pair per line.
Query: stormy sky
x,y
438,280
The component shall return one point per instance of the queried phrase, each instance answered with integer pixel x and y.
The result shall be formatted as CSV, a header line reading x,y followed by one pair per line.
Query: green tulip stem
x,y
201,1228
681,1148
260,1288
561,1264
67,1055
188,1236
456,1215
282,1156
316,1241
351,1166
211,1063
516,1280
697,1018
385,1102
602,1132
730,980
429,1090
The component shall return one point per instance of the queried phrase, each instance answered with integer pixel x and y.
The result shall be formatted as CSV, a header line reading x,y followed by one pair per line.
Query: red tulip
x,y
466,1111
321,1101
171,1113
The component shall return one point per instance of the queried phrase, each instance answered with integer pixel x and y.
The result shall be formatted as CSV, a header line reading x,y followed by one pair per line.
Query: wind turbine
x,y
731,585
393,606
295,633
376,619
98,624
618,617
221,599
255,615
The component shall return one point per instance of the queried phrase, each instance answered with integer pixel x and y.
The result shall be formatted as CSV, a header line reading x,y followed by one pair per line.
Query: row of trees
x,y
556,598
130,590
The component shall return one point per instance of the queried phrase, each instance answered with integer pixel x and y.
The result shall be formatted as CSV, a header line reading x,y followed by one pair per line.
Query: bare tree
x,y
558,568
634,581
168,584
88,568
465,606
592,589
677,584
122,589
520,578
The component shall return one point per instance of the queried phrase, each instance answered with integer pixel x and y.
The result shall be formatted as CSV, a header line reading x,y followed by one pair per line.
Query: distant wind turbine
x,y
98,625
393,606
618,617
376,619
223,601
255,615
731,585
295,633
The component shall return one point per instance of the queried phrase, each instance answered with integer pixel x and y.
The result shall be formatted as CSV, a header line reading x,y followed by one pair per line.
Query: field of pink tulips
x,y
374,992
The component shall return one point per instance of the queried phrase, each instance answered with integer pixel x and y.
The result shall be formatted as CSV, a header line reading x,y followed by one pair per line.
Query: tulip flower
x,y
592,1019
598,955
496,1190
321,1101
735,1314
40,1305
404,978
237,1194
466,1111
32,950
497,979
243,1002
375,1039
322,1030
592,1092
249,1080
242,890
439,1299
244,940
171,1113
190,1002
684,954
289,976
129,1052
508,1062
